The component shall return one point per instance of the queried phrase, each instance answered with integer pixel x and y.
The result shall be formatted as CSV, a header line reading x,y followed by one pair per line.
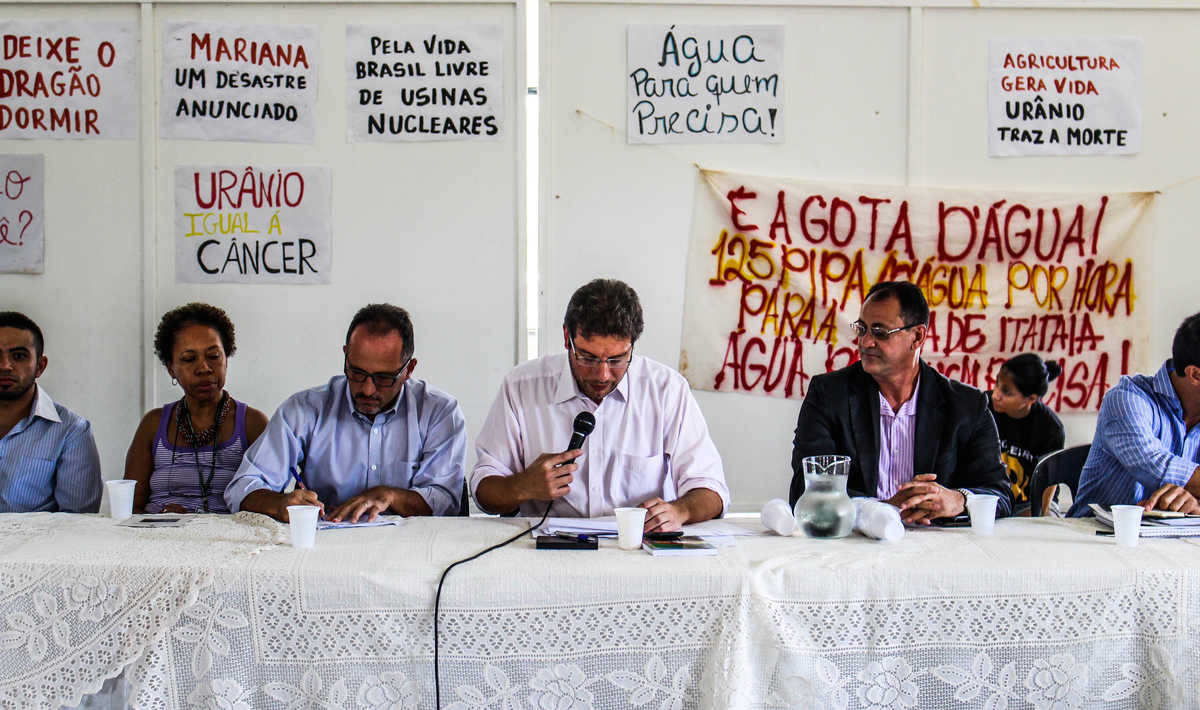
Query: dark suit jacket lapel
x,y
930,420
864,418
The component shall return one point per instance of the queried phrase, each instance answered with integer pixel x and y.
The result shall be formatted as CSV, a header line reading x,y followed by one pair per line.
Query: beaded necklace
x,y
198,439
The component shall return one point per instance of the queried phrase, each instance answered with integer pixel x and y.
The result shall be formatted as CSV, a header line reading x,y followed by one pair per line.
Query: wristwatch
x,y
966,494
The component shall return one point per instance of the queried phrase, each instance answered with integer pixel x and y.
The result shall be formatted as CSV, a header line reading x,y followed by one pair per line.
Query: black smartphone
x,y
959,521
664,536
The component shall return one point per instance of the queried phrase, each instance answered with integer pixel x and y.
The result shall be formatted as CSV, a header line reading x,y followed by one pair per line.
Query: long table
x,y
223,613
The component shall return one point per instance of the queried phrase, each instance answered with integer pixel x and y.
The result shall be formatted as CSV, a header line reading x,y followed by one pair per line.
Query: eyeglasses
x,y
860,329
616,364
382,380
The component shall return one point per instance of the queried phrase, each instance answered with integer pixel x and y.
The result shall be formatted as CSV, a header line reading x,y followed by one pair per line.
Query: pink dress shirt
x,y
897,434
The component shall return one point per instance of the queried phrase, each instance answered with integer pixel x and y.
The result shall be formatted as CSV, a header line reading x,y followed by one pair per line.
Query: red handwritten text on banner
x,y
778,270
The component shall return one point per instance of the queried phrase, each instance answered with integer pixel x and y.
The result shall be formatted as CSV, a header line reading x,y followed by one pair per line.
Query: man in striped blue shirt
x,y
1147,445
48,457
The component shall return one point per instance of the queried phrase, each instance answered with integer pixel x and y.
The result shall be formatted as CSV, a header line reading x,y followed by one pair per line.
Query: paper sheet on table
x,y
607,527
1149,528
381,520
152,520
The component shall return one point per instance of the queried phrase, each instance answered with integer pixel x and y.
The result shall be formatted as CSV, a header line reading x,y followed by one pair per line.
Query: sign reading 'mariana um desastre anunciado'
x,y
239,82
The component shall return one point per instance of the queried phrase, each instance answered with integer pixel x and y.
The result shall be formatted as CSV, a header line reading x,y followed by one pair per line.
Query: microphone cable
x,y
437,600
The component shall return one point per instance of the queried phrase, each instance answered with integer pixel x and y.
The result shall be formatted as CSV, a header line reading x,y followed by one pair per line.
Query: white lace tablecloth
x,y
224,614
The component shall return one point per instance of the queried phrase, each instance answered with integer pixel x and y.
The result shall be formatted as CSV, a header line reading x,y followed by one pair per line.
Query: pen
x,y
572,536
295,473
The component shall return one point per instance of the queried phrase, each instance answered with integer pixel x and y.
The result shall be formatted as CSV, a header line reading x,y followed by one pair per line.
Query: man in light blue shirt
x,y
1147,445
48,457
371,441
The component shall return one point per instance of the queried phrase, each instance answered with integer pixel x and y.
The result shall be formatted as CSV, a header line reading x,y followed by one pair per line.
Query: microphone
x,y
584,423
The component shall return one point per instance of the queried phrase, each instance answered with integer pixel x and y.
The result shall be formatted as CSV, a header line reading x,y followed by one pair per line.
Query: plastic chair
x,y
1062,466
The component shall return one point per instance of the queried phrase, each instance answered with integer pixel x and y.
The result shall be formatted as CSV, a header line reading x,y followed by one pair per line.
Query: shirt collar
x,y
349,400
43,406
567,388
908,409
1161,385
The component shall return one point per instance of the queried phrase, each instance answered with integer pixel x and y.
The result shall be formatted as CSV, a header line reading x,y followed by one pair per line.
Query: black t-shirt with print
x,y
1025,441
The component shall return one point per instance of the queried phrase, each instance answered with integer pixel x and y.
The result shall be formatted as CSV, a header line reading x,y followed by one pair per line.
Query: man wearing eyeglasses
x,y
372,440
915,439
650,446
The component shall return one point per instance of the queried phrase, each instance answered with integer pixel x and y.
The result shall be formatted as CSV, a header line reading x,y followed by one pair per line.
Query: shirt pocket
x,y
399,473
637,478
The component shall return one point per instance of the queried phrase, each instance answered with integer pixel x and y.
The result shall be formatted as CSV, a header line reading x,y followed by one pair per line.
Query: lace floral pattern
x,y
887,685
249,624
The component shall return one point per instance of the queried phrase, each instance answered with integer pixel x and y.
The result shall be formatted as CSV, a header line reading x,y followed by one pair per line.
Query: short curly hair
x,y
177,319
605,307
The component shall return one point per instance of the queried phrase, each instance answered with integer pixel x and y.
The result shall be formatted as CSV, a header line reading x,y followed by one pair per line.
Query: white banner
x,y
68,80
253,224
424,82
22,214
1064,96
239,82
778,269
705,84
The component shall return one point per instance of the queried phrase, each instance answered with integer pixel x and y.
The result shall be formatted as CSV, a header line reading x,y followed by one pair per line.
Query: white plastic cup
x,y
120,498
1127,523
629,527
777,517
878,519
303,522
982,509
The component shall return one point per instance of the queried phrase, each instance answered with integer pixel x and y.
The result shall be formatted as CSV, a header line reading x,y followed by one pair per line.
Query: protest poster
x,y
705,84
424,82
778,269
253,224
239,82
68,80
22,213
1074,96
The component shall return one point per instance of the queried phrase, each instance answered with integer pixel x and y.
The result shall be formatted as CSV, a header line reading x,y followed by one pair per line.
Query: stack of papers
x,y
607,527
600,527
682,546
364,523
1154,527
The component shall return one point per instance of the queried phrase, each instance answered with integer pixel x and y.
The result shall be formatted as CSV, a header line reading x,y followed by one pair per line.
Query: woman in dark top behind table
x,y
1028,428
184,453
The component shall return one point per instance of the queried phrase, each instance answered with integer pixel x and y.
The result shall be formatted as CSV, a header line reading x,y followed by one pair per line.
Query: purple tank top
x,y
178,469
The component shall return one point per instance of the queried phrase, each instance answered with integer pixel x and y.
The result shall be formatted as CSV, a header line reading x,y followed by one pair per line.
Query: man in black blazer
x,y
941,442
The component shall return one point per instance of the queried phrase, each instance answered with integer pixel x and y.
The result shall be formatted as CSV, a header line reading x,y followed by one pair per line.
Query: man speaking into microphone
x,y
649,445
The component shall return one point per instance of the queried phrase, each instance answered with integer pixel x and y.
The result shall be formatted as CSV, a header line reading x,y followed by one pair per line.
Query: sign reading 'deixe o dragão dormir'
x,y
239,82
424,82
65,79
1073,96
252,224
705,84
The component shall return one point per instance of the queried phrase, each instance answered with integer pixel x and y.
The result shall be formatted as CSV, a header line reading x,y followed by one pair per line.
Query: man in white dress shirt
x,y
650,446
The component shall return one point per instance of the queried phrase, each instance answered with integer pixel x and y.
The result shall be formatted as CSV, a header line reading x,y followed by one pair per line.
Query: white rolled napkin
x,y
777,516
877,519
